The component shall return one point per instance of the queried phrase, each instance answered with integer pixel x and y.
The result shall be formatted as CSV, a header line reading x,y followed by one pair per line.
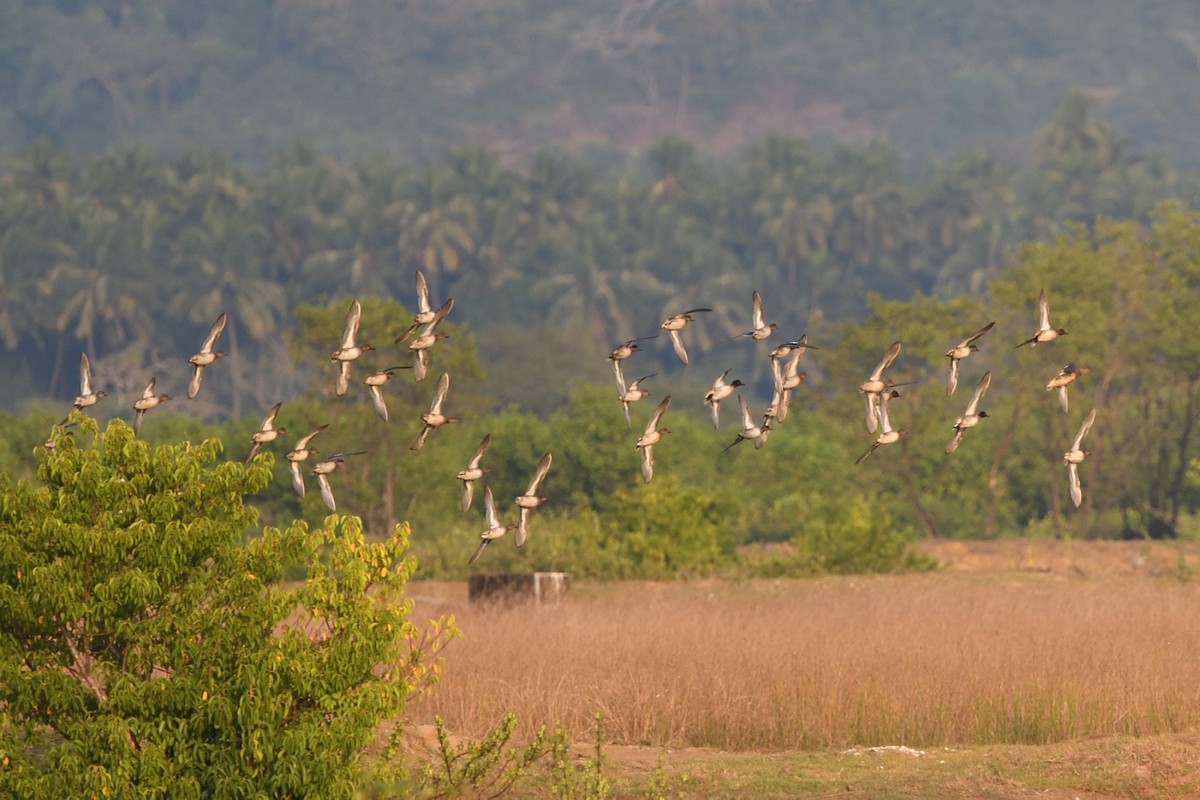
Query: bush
x,y
148,652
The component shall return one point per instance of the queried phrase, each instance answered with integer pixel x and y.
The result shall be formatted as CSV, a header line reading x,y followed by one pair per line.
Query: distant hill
x,y
599,80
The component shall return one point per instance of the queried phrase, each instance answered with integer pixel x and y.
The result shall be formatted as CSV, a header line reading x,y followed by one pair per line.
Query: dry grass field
x,y
1010,645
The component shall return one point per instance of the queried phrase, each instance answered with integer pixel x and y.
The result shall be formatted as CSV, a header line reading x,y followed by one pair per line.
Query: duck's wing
x,y
326,491
439,395
952,381
870,450
352,319
885,421
659,410
297,477
977,334
1043,311
716,414
522,526
888,358
539,474
1063,401
468,494
148,392
628,421
269,422
343,378
872,412
758,317
137,419
422,294
677,343
377,401
489,508
1076,487
303,443
483,543
85,375
647,462
253,449
420,365
955,442
980,390
194,384
477,456
620,375
783,402
1083,429
442,312
211,340
421,437
747,417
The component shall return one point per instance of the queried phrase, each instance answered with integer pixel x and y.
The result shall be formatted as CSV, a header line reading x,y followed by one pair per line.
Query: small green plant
x,y
662,786
488,768
588,781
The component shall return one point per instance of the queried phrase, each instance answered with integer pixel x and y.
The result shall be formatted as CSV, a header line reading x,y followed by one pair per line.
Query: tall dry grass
x,y
922,660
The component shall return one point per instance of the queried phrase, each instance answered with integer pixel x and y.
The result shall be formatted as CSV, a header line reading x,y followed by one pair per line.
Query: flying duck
x,y
205,357
970,418
1045,332
473,472
674,324
961,351
1075,456
529,501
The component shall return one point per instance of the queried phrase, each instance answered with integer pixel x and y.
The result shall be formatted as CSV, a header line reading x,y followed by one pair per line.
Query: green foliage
x,y
148,652
588,780
490,767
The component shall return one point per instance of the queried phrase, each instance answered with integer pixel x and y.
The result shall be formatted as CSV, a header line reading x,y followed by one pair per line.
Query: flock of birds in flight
x,y
785,358
877,390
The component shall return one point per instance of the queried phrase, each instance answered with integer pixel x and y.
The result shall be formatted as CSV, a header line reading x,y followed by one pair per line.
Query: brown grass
x,y
921,660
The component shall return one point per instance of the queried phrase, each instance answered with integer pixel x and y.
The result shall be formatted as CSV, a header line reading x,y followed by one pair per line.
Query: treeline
x,y
130,256
249,76
1125,292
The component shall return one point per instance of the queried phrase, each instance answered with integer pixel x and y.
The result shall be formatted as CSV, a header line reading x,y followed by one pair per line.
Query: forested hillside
x,y
598,80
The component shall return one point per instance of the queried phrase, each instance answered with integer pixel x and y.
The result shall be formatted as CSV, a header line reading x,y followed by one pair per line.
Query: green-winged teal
x,y
762,329
147,401
266,433
322,469
652,436
887,434
206,356
1070,373
301,452
633,393
719,391
87,396
970,418
875,385
350,349
961,351
674,324
1045,332
750,430
473,472
494,528
530,500
434,418
1075,456
375,382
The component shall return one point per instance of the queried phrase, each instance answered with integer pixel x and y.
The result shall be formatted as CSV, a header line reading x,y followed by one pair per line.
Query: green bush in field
x,y
148,652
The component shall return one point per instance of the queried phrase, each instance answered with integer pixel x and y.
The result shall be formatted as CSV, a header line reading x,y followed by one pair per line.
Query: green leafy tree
x,y
151,647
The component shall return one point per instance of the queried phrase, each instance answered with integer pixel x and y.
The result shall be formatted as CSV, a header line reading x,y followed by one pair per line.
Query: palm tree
x,y
439,227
